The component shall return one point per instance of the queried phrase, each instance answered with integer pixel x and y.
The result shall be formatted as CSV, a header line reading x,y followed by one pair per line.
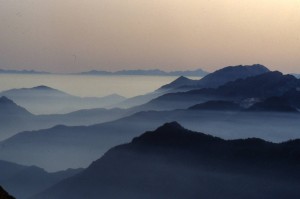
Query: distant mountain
x,y
172,162
180,82
4,194
232,73
14,118
273,104
261,86
46,100
3,71
217,106
8,108
64,147
185,84
217,78
139,100
156,72
24,181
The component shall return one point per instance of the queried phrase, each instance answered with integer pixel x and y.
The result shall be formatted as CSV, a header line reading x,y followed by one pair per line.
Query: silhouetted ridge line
x,y
172,162
4,194
217,78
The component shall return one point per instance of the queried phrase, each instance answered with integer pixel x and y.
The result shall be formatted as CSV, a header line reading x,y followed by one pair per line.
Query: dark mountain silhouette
x,y
4,194
64,147
231,73
217,106
182,83
273,104
156,72
172,162
293,97
212,80
24,181
46,100
262,86
217,78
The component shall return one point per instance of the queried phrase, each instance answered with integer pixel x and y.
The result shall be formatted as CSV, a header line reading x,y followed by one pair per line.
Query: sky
x,y
81,35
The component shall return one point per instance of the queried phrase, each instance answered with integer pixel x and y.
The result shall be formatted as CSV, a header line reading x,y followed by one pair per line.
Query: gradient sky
x,y
80,35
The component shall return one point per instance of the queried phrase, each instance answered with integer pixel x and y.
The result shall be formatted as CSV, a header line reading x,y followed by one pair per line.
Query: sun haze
x,y
69,36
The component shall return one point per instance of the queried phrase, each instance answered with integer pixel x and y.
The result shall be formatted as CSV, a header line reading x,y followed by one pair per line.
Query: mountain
x,y
180,82
212,80
293,97
4,194
139,100
232,73
217,106
172,162
217,78
46,100
261,86
63,147
14,118
156,72
24,181
9,108
273,104
31,72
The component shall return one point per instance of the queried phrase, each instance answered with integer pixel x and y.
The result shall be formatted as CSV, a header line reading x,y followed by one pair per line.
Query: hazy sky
x,y
79,35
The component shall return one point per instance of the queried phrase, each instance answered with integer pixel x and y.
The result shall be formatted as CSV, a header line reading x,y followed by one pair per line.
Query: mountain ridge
x,y
217,78
172,162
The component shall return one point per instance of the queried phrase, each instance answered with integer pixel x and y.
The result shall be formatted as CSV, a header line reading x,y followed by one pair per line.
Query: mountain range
x,y
63,147
30,72
256,87
224,115
46,100
212,80
25,181
14,118
156,72
217,78
172,162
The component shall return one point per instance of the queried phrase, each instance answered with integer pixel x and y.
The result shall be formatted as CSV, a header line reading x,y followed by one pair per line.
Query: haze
x,y
71,36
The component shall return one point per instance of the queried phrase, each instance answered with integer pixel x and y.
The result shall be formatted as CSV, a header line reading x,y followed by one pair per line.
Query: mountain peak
x,y
42,87
171,125
172,134
180,81
248,70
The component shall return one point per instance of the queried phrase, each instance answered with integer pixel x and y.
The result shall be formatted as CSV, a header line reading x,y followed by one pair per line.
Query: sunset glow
x,y
68,36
